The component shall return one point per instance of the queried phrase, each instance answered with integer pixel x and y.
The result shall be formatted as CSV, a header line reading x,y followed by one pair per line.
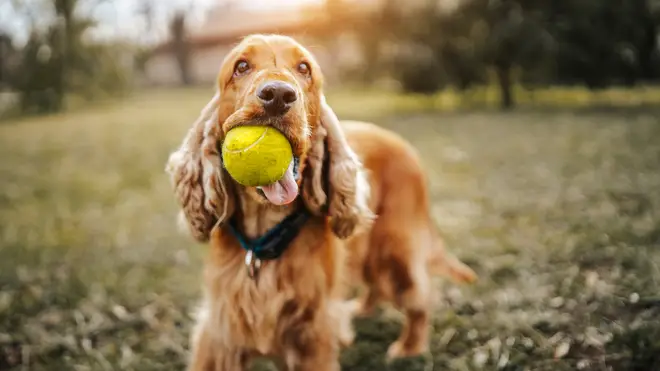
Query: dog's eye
x,y
241,67
304,68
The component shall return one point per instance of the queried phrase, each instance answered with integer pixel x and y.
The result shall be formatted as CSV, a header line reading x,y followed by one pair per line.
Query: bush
x,y
419,71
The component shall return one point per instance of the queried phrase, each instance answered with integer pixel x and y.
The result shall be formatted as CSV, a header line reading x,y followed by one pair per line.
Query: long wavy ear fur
x,y
314,182
197,176
347,190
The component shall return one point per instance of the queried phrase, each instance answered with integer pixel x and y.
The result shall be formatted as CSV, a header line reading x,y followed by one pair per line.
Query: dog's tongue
x,y
283,191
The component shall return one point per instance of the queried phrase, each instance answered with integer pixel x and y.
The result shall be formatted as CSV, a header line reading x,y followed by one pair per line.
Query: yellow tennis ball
x,y
256,155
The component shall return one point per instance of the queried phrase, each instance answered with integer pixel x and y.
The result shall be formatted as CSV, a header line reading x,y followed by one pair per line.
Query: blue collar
x,y
273,243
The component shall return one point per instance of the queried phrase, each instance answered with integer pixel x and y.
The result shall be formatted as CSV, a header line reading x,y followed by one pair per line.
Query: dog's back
x,y
396,257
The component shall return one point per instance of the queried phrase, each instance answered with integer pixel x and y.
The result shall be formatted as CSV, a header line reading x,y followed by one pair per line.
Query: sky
x,y
120,18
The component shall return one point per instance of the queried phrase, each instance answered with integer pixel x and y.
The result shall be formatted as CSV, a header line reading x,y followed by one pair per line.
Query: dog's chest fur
x,y
286,297
245,312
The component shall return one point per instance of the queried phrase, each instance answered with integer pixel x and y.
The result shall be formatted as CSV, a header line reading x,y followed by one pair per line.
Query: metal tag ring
x,y
253,264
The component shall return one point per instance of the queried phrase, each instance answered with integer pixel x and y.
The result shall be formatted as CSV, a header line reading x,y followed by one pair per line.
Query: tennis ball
x,y
256,155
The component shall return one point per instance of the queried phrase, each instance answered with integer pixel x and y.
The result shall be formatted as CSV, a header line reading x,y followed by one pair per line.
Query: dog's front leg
x,y
313,347
324,357
209,356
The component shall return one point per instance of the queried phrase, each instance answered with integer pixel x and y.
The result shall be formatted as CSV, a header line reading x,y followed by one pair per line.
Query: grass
x,y
488,97
557,211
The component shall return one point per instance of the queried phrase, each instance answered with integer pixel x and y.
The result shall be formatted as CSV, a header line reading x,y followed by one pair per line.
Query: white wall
x,y
205,64
162,70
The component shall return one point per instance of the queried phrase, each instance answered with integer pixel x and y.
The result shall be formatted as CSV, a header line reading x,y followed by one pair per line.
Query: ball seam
x,y
251,145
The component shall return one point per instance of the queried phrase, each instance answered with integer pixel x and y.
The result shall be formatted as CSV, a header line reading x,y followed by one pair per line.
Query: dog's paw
x,y
346,337
398,350
343,316
361,308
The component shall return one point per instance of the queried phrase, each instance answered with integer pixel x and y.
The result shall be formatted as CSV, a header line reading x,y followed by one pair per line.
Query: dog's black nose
x,y
276,97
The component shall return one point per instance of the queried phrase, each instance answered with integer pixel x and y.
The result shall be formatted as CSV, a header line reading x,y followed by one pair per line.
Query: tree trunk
x,y
64,10
183,59
504,81
181,46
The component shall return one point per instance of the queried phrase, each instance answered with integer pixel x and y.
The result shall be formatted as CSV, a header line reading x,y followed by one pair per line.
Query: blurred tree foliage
x,y
8,61
60,59
595,43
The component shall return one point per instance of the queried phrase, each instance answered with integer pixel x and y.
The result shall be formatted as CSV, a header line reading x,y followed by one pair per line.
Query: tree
x,y
40,84
59,60
417,34
181,46
606,42
8,58
462,36
595,43
517,38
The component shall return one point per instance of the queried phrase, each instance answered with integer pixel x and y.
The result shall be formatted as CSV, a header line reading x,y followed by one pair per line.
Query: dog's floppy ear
x,y
343,190
314,176
197,176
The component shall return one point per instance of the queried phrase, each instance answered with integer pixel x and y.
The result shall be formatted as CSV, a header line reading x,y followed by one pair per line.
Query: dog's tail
x,y
443,263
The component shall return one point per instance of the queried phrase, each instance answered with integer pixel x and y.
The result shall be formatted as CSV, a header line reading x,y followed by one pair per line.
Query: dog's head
x,y
274,81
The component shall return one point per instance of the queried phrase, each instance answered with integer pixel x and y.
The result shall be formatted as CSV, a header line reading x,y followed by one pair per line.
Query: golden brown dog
x,y
352,205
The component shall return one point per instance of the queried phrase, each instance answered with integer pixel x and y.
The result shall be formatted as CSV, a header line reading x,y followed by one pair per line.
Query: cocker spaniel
x,y
352,207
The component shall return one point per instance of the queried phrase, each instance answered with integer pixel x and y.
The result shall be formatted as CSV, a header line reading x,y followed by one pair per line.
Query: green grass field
x,y
558,212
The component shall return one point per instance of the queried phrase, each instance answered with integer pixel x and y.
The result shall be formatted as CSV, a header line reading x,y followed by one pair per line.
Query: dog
x,y
352,207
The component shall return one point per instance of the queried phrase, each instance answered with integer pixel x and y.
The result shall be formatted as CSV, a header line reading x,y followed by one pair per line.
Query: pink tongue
x,y
283,191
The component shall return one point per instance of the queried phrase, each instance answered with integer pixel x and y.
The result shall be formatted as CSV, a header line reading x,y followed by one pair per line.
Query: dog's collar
x,y
273,243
